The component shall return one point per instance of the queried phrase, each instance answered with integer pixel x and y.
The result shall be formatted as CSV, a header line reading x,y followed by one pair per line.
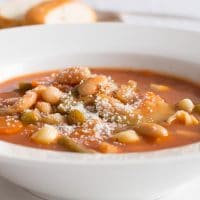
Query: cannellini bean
x,y
152,130
105,147
51,95
159,88
90,86
186,104
46,135
73,75
44,107
183,117
128,136
23,103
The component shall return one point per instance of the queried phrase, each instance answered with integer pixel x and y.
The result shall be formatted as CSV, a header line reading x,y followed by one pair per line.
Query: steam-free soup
x,y
99,110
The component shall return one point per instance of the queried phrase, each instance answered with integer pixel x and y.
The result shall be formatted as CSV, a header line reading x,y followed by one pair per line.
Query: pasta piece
x,y
183,117
159,88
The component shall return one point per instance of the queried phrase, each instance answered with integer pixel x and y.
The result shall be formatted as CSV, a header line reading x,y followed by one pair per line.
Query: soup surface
x,y
99,110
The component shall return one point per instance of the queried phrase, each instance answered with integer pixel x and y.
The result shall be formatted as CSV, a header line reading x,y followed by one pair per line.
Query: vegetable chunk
x,y
70,144
46,135
9,125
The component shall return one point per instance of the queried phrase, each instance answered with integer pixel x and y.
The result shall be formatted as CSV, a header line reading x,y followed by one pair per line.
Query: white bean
x,y
152,130
51,95
128,136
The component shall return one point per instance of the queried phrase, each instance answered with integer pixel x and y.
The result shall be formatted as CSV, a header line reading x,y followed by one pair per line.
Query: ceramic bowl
x,y
64,175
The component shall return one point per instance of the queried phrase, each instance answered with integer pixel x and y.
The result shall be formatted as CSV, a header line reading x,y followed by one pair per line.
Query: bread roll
x,y
60,12
12,13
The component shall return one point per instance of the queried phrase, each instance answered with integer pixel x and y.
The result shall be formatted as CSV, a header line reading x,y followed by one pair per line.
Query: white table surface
x,y
9,191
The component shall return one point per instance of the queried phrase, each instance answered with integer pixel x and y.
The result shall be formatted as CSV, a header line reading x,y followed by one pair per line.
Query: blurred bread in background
x,y
26,12
12,12
60,12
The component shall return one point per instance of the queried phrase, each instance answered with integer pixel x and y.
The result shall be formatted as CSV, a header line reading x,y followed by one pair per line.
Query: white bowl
x,y
64,175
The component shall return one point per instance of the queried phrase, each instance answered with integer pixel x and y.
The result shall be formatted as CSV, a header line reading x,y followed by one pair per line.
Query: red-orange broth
x,y
179,89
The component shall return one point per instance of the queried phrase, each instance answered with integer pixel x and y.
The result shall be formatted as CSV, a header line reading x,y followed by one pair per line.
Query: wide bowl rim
x,y
30,154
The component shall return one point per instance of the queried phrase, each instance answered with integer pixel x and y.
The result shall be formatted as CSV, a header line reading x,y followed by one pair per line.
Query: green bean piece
x,y
24,86
74,92
76,117
197,109
30,117
70,144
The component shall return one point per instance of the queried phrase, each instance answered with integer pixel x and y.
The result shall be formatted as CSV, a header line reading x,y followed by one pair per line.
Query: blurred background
x,y
177,13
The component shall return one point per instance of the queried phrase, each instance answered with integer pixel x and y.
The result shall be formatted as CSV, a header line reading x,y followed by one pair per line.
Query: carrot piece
x,y
9,125
35,84
105,147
